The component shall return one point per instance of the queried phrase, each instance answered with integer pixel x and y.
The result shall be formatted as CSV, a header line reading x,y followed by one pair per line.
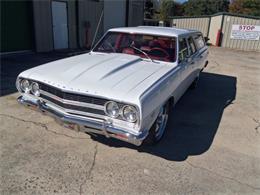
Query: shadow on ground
x,y
194,121
13,65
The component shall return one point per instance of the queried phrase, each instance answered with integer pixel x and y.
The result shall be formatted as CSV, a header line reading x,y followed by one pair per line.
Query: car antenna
x,y
95,35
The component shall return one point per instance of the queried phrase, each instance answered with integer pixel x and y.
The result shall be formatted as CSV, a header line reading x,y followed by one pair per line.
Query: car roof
x,y
154,30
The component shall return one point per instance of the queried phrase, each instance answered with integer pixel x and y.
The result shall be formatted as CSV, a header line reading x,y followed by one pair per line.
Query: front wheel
x,y
159,127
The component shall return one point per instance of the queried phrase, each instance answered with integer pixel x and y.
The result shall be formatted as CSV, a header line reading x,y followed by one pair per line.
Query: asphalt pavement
x,y
212,144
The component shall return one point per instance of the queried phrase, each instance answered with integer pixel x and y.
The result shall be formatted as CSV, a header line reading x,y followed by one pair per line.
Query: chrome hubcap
x,y
161,122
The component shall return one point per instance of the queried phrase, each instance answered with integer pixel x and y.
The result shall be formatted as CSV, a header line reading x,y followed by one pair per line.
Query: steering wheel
x,y
167,56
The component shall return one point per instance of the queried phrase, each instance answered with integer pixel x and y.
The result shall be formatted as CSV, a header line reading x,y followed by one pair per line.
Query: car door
x,y
194,59
184,65
202,51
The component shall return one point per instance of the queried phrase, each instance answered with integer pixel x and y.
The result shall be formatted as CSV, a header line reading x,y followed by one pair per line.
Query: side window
x,y
199,41
183,49
192,45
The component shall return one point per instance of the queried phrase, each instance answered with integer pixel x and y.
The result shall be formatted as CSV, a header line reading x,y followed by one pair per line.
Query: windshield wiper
x,y
146,55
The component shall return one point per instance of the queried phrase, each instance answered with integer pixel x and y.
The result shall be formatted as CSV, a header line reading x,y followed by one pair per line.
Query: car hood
x,y
114,76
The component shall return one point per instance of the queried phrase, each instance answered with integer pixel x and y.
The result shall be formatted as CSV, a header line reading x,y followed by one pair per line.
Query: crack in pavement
x,y
89,172
216,62
258,124
39,124
226,177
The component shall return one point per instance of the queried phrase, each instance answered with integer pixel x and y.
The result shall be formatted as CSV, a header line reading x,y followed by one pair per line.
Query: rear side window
x,y
199,41
192,45
183,49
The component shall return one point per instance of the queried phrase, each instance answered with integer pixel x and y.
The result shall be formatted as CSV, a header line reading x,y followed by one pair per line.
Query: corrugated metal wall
x,y
43,25
83,18
90,12
136,12
248,45
110,14
201,24
72,24
210,26
89,15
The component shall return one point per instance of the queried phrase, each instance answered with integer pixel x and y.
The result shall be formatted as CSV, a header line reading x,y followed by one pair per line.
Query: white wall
x,y
215,25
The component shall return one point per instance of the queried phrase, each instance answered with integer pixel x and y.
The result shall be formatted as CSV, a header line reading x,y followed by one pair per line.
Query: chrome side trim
x,y
71,102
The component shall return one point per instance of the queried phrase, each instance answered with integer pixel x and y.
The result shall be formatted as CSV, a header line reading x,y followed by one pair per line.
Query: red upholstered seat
x,y
129,51
160,43
145,48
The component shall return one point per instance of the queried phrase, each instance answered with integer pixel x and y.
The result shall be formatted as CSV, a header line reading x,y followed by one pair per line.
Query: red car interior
x,y
157,48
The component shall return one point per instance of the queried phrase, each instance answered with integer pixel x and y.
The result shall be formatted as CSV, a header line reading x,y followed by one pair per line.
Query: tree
x,y
148,9
205,7
247,7
165,9
178,9
169,8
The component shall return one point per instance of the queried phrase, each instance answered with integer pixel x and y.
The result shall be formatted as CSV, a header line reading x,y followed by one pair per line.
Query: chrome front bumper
x,y
85,124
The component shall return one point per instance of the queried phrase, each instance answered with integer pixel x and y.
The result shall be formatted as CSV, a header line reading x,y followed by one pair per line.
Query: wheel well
x,y
171,102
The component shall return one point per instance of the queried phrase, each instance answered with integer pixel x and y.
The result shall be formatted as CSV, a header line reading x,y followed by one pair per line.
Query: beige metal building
x,y
222,29
198,23
248,45
48,25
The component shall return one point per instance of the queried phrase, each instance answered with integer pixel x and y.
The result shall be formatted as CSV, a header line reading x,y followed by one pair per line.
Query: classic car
x,y
124,88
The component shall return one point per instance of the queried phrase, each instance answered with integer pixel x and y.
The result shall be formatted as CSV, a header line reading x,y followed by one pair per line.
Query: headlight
x,y
35,89
112,109
130,114
25,86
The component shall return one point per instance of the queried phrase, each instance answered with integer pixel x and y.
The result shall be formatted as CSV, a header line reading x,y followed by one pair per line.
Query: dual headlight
x,y
112,109
126,112
28,87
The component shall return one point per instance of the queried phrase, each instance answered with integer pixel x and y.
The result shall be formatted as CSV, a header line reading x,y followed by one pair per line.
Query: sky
x,y
181,1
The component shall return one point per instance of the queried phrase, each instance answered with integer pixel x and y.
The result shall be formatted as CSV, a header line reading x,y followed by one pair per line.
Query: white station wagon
x,y
124,88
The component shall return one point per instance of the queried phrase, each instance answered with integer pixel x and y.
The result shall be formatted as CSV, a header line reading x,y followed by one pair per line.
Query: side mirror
x,y
188,59
206,39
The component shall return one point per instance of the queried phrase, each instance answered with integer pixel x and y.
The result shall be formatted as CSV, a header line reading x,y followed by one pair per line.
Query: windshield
x,y
146,46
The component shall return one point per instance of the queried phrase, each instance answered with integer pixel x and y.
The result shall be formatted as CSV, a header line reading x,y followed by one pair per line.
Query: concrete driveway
x,y
212,145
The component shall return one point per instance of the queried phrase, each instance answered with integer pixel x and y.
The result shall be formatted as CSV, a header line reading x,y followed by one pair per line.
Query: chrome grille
x,y
73,103
71,96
